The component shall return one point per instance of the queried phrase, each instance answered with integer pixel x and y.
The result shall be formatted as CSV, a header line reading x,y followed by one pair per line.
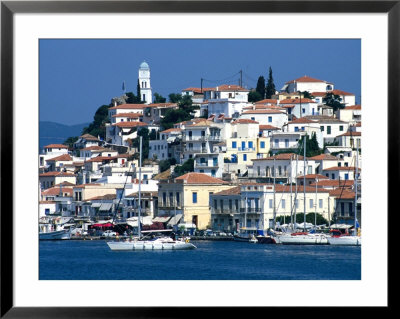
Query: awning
x,y
103,225
96,205
132,221
175,219
105,206
161,219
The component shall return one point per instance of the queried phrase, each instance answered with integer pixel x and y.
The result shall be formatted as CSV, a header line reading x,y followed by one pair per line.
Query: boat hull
x,y
149,245
345,240
309,239
265,240
55,235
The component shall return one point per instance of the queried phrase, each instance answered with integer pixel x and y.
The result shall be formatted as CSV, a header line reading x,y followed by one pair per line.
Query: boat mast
x,y
304,181
274,196
355,198
140,184
316,199
291,195
295,195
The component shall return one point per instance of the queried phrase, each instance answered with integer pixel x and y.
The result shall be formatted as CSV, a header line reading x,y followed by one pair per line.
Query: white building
x,y
273,117
146,94
306,83
300,107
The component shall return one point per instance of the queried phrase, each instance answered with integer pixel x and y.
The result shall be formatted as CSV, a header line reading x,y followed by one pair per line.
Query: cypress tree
x,y
270,89
261,87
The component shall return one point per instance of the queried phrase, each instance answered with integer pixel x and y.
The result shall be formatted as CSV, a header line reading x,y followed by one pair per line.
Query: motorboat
x,y
53,232
161,243
302,238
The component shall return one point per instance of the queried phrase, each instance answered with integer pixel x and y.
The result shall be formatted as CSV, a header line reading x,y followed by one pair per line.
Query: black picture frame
x,y
9,8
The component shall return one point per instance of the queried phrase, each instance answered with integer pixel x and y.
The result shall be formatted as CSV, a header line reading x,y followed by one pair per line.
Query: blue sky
x,y
78,76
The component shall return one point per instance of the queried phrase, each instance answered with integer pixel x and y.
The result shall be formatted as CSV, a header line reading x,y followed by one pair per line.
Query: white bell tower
x,y
144,82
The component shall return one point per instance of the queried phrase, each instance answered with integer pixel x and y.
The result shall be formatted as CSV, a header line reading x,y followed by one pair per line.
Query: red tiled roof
x,y
305,78
296,101
353,107
264,111
55,191
231,87
101,159
93,148
340,92
61,158
89,137
268,127
342,193
231,191
174,129
55,173
265,101
324,157
334,183
129,106
131,115
301,120
283,156
197,90
200,178
244,121
56,146
162,105
129,124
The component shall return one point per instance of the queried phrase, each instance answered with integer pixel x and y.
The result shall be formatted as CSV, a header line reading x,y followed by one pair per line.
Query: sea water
x,y
212,260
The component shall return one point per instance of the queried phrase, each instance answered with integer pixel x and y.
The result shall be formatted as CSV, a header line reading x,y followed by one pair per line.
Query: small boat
x,y
303,238
161,243
54,234
53,228
339,239
245,235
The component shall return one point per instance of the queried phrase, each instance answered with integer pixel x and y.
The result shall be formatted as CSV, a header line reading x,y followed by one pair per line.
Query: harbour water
x,y
212,260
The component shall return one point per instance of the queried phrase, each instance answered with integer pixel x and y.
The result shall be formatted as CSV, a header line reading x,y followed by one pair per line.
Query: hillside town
x,y
234,163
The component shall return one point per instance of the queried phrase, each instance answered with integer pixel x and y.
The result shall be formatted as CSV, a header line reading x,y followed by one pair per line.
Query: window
x,y
164,198
276,141
234,144
194,197
296,201
243,145
287,143
215,204
346,176
177,199
341,128
262,144
269,119
328,130
244,157
250,144
171,199
311,203
230,204
144,97
236,204
270,203
320,203
213,172
303,110
253,118
283,204
296,128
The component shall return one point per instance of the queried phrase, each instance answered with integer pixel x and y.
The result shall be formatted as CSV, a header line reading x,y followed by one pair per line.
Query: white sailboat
x,y
161,243
344,239
303,237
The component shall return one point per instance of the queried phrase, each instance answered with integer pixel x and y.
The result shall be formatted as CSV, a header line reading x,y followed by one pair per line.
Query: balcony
x,y
207,164
203,150
224,211
210,138
269,175
251,210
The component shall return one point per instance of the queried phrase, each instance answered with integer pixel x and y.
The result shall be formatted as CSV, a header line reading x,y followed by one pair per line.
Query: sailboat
x,y
302,237
345,239
245,234
139,243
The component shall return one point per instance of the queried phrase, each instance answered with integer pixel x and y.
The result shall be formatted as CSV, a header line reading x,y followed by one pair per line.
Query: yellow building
x,y
189,196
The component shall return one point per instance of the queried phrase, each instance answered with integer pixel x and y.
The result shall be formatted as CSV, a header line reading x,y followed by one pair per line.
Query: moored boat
x,y
55,235
162,243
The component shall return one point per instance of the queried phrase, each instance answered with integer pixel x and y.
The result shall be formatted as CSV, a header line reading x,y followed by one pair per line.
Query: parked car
x,y
109,233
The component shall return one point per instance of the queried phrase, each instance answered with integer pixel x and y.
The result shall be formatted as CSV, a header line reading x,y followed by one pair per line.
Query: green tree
x,y
270,89
97,127
138,96
254,96
312,147
260,88
333,100
186,167
166,164
307,95
144,132
70,141
175,97
159,99
174,116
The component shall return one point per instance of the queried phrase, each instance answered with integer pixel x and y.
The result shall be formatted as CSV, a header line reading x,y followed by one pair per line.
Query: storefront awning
x,y
105,206
96,205
175,219
161,219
